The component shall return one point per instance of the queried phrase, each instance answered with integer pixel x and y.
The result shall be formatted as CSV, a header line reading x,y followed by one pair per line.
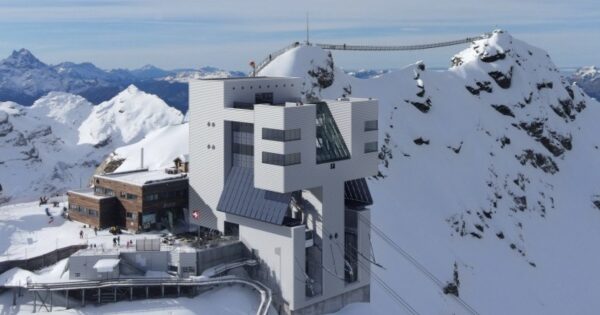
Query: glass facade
x,y
281,159
330,142
242,144
280,135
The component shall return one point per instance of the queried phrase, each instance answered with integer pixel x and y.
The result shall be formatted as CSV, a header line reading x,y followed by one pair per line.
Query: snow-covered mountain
x,y
489,178
57,143
588,78
24,78
127,117
185,75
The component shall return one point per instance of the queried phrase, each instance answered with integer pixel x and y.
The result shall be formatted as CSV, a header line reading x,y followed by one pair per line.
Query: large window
x,y
131,196
263,98
280,135
93,213
280,159
371,125
371,147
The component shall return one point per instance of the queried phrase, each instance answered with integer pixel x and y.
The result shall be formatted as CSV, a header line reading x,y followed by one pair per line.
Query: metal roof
x,y
240,197
330,142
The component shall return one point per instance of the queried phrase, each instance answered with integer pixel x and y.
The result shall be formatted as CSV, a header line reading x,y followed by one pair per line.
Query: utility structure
x,y
288,179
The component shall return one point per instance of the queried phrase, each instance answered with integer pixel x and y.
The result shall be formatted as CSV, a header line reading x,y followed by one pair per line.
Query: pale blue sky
x,y
229,33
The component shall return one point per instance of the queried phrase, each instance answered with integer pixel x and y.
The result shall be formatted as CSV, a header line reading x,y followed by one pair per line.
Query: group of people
x,y
116,240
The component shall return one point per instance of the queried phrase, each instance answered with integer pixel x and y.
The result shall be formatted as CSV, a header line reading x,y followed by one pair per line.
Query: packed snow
x,y
26,231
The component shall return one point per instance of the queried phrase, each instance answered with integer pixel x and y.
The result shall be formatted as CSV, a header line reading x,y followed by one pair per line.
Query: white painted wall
x,y
281,248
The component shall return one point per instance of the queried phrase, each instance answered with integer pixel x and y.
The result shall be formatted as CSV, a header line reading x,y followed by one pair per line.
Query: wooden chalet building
x,y
136,201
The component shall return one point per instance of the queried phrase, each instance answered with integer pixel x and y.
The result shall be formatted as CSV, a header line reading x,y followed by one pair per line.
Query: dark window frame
x,y
371,125
281,135
371,147
281,159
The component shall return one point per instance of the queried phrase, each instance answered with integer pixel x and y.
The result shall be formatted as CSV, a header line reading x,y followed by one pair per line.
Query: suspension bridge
x,y
272,56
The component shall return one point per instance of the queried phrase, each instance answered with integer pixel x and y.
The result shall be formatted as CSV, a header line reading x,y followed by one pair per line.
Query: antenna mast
x,y
307,31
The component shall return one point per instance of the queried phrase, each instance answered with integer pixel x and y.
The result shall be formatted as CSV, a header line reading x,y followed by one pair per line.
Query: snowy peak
x,y
127,117
63,107
589,73
22,58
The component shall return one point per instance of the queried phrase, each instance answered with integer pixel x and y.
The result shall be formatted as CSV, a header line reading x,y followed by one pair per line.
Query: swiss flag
x,y
196,214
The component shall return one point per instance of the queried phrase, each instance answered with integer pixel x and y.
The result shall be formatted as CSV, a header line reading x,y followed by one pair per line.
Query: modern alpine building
x,y
289,179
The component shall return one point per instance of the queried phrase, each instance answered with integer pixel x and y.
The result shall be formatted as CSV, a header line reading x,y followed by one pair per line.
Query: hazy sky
x,y
228,34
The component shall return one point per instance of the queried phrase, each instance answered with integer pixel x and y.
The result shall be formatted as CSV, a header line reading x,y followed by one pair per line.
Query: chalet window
x,y
280,159
131,196
109,192
123,194
131,215
371,125
371,147
93,213
281,135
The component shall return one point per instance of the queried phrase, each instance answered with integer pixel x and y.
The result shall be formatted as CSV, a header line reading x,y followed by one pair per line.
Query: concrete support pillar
x,y
34,301
51,301
82,297
131,293
67,298
162,290
115,294
147,293
178,291
99,295
14,290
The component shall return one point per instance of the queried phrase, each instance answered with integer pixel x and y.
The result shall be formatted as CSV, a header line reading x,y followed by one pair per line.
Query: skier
x,y
119,240
95,231
81,234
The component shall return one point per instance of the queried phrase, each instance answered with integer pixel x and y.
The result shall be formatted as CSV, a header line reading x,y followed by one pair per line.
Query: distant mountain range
x,y
588,78
24,79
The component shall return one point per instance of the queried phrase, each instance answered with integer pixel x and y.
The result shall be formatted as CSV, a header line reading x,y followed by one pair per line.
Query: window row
x,y
371,147
280,159
99,190
165,195
371,125
83,210
280,135
244,149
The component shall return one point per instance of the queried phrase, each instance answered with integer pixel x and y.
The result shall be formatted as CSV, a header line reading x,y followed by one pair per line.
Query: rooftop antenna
x,y
307,31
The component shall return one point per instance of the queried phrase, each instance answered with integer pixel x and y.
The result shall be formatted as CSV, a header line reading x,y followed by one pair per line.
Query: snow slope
x,y
57,143
127,117
489,169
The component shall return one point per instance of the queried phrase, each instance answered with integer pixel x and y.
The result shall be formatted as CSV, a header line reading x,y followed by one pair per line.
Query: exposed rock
x,y
491,58
39,132
502,79
545,85
538,160
423,107
504,110
485,86
420,141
